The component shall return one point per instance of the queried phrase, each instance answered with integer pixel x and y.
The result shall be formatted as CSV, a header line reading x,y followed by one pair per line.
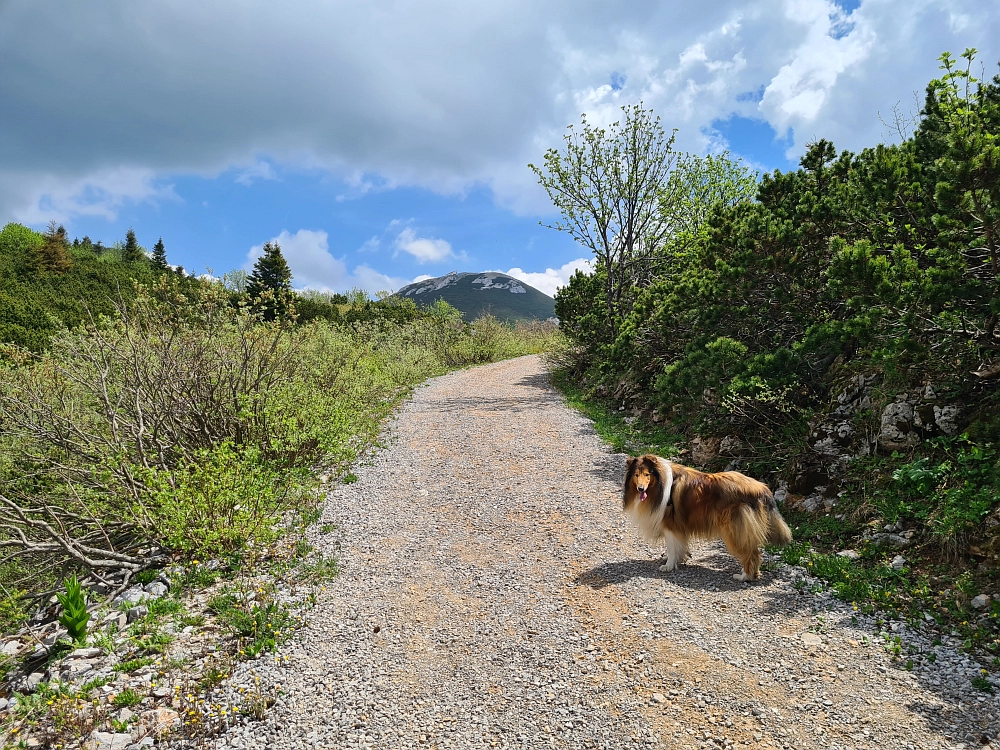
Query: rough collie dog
x,y
674,504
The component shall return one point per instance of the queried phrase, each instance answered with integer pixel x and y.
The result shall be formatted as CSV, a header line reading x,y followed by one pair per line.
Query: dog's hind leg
x,y
747,553
676,552
751,567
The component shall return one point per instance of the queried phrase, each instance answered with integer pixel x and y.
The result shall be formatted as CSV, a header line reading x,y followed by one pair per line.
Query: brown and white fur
x,y
674,504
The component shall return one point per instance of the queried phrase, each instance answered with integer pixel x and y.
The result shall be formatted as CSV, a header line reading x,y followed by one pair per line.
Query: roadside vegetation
x,y
177,429
832,330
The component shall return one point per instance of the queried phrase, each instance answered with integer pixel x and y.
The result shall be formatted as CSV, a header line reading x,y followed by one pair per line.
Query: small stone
x,y
10,648
658,698
898,562
107,741
812,639
33,681
133,595
156,589
137,613
52,638
85,653
124,715
161,692
850,554
159,721
3,704
981,601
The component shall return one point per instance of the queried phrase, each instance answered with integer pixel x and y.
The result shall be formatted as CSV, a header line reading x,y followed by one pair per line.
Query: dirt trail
x,y
492,595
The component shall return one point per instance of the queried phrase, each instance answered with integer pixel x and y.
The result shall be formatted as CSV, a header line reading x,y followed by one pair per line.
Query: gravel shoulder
x,y
492,595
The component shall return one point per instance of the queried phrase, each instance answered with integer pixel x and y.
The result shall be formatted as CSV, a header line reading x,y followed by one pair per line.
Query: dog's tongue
x,y
642,495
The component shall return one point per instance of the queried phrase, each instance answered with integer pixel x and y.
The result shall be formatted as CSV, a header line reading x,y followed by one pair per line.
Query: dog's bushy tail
x,y
778,532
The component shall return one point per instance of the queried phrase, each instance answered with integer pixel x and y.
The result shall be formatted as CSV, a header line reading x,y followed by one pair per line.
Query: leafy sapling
x,y
74,616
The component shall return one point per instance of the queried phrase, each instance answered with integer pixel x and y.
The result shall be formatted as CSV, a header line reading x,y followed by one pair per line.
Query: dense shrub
x,y
187,423
883,261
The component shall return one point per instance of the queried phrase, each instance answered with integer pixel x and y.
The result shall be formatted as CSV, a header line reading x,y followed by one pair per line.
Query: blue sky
x,y
380,142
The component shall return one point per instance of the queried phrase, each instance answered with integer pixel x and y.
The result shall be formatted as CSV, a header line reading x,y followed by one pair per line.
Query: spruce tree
x,y
53,254
159,256
271,281
132,253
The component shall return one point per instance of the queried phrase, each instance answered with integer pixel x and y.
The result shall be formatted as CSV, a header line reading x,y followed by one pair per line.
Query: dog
x,y
674,504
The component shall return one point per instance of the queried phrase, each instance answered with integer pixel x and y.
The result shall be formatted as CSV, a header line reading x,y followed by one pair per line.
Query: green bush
x,y
950,493
188,423
217,501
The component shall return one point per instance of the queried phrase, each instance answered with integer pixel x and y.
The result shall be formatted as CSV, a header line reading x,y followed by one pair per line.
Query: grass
x,y
624,433
134,664
127,698
260,626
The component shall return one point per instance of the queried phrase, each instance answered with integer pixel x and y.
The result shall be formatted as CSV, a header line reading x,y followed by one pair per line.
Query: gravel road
x,y
492,595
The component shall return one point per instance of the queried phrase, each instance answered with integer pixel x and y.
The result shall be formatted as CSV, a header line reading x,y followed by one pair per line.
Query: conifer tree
x,y
132,253
53,255
159,256
271,281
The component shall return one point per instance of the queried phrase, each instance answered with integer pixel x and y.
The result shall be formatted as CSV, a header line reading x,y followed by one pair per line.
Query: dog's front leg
x,y
676,552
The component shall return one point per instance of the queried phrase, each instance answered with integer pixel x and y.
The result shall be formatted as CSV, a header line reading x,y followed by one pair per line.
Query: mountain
x,y
489,292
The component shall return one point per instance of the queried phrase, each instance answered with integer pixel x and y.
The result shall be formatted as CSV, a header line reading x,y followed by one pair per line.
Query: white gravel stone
x,y
156,589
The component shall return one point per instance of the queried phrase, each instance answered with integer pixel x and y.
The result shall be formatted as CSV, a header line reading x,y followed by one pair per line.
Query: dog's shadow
x,y
710,571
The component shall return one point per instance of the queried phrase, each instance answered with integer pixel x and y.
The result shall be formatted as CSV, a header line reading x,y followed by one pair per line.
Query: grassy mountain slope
x,y
35,302
475,294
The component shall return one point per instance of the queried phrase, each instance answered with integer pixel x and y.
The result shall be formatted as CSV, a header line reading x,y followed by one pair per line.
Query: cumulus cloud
x,y
35,199
314,267
549,280
446,95
423,249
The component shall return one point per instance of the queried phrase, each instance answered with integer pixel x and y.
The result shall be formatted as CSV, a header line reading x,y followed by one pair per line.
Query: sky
x,y
381,141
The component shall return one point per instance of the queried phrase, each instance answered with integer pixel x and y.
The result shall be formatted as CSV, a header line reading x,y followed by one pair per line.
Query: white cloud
x,y
314,267
421,277
36,199
449,95
796,94
423,249
259,171
372,281
549,280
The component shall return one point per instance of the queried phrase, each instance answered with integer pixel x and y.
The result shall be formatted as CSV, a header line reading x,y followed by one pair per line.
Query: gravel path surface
x,y
493,595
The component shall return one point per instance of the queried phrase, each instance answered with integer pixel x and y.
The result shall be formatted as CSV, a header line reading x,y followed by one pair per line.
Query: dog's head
x,y
643,483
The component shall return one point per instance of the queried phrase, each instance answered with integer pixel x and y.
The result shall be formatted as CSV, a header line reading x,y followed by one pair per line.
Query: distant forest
x,y
49,283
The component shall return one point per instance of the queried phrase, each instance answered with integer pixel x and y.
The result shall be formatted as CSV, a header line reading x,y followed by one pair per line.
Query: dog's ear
x,y
631,463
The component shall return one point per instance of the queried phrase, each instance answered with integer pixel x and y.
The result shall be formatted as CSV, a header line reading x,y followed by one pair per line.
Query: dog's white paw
x,y
741,577
668,566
